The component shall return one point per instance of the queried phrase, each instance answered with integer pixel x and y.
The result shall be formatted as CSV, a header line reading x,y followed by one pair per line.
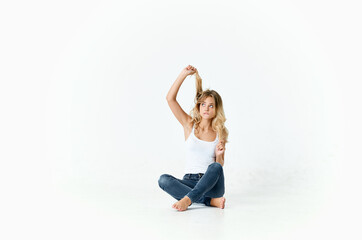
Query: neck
x,y
205,124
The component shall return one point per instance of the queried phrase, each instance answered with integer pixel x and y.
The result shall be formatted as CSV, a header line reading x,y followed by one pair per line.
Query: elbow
x,y
169,98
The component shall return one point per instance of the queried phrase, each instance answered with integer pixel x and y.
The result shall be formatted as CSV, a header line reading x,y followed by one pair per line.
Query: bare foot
x,y
182,204
218,202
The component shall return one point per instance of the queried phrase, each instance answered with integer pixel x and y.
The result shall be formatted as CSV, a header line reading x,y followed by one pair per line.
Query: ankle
x,y
215,201
188,200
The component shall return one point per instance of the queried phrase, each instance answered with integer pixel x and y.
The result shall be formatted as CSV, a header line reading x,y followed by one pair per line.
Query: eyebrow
x,y
210,103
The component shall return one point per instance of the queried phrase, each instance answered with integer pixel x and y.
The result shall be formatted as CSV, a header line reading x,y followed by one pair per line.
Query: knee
x,y
163,180
215,166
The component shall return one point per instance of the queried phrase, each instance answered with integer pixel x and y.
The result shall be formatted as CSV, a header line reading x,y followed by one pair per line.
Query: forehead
x,y
209,99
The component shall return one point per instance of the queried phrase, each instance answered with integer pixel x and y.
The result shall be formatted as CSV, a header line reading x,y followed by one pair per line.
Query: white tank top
x,y
199,153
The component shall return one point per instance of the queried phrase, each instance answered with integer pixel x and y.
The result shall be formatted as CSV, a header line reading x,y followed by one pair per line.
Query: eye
x,y
212,106
203,104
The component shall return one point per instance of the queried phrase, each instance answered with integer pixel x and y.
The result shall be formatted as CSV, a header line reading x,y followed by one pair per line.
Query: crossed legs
x,y
208,190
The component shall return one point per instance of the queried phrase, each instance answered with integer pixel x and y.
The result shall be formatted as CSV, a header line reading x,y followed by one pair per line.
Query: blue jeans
x,y
199,188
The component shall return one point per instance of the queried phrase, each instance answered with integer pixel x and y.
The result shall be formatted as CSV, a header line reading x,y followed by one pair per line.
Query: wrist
x,y
183,75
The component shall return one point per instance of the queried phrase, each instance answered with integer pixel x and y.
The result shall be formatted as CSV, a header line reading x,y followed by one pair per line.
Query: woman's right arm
x,y
176,109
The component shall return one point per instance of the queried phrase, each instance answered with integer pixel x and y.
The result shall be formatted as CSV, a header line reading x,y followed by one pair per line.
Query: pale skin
x,y
204,131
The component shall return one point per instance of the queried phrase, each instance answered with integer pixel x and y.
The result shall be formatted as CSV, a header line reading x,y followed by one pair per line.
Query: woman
x,y
205,136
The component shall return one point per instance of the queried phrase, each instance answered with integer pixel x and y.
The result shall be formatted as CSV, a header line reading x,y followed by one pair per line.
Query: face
x,y
207,108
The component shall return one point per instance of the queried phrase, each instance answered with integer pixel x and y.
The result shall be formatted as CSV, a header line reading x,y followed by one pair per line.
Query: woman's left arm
x,y
219,152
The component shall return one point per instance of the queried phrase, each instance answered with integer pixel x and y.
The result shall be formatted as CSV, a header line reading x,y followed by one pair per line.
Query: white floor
x,y
86,211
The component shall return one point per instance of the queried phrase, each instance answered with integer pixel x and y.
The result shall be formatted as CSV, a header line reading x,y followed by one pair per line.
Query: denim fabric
x,y
199,188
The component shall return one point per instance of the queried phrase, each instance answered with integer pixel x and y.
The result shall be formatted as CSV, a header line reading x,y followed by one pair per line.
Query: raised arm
x,y
176,109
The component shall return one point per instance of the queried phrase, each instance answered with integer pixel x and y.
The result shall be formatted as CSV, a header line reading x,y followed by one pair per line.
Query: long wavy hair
x,y
218,122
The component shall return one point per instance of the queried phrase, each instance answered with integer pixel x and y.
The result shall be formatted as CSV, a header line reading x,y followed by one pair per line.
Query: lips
x,y
206,113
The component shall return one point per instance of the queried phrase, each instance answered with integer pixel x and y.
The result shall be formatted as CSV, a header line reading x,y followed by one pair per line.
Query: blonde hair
x,y
218,122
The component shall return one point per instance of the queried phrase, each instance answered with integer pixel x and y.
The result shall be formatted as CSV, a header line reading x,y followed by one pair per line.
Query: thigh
x,y
168,179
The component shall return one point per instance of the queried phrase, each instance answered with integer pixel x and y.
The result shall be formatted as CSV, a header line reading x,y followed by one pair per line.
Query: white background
x,y
84,114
